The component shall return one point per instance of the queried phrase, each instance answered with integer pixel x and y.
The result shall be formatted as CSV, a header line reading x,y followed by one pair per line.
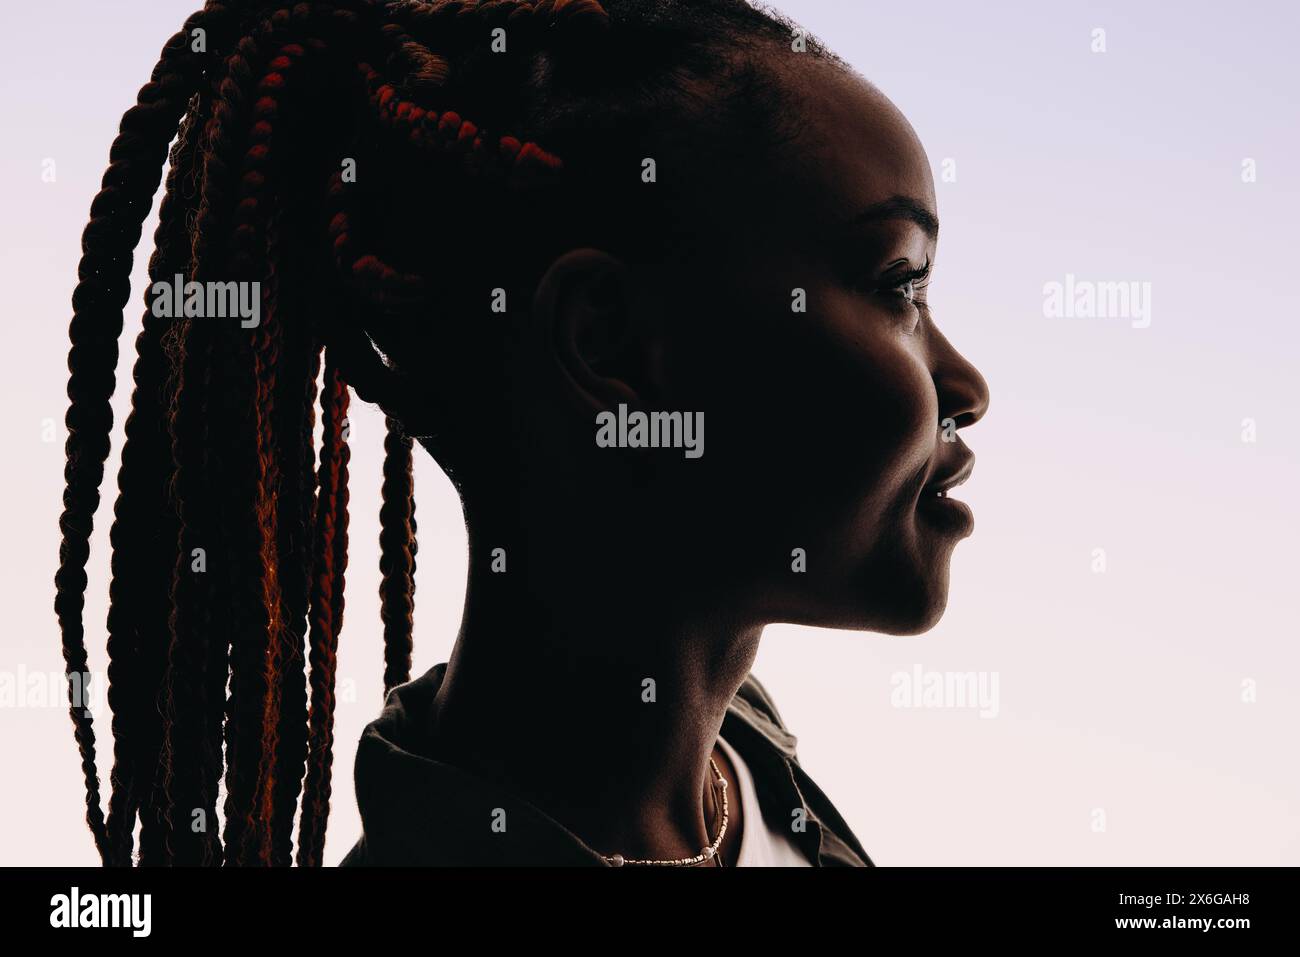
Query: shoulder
x,y
753,708
755,694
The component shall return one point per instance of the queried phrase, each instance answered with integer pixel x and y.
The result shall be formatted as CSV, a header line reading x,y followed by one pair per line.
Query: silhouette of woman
x,y
552,242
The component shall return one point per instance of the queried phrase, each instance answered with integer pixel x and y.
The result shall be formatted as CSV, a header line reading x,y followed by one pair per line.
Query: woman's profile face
x,y
831,398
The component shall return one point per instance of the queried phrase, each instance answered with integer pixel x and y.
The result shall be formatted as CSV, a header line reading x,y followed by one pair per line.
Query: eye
x,y
905,290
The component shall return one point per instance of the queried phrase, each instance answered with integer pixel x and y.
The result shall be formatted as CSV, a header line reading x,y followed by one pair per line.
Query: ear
x,y
585,306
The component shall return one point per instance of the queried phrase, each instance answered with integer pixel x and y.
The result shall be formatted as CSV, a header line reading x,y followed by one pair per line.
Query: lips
x,y
951,516
940,487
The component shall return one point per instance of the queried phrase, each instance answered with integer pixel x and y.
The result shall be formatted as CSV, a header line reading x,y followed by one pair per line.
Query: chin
x,y
908,603
904,609
915,622
902,590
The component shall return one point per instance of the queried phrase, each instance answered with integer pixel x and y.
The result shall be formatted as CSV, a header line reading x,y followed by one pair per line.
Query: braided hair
x,y
377,168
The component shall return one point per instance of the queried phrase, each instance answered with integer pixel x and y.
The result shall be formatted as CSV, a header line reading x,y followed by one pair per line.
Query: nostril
x,y
962,419
963,393
967,400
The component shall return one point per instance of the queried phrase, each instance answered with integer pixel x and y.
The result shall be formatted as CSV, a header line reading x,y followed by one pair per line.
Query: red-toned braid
x,y
284,649
522,164
295,523
380,283
326,612
252,242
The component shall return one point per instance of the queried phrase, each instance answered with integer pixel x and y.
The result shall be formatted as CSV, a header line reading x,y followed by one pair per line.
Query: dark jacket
x,y
416,811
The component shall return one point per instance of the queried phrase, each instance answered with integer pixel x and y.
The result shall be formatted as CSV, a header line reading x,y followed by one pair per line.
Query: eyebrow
x,y
899,207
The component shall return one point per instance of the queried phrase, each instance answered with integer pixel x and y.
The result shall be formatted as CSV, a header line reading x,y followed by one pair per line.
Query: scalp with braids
x,y
229,537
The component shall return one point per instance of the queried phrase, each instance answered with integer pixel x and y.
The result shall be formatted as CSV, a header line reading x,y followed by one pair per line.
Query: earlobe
x,y
584,308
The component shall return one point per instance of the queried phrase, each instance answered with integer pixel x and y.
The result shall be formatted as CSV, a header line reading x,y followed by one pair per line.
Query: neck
x,y
602,711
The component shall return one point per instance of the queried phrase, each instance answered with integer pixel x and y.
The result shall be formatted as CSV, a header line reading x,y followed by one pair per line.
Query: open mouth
x,y
940,487
950,514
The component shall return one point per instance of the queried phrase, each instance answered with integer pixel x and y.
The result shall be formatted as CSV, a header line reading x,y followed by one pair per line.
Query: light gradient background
x,y
1119,691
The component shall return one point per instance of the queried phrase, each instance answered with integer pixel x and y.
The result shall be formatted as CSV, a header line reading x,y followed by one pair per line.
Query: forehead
x,y
855,148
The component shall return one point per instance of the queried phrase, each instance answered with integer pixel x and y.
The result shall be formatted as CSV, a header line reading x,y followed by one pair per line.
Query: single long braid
x,y
298,514
397,547
266,357
295,512
326,611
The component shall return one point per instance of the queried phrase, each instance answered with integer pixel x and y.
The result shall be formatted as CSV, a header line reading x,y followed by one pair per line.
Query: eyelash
x,y
890,288
918,279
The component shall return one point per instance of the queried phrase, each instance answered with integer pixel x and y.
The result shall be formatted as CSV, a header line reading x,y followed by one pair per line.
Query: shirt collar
x,y
416,810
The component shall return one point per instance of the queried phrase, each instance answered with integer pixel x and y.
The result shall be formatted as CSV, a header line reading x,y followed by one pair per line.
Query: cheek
x,y
865,384
829,411
894,401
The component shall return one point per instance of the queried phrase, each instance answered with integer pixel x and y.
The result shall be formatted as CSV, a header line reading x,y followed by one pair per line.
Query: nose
x,y
963,393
